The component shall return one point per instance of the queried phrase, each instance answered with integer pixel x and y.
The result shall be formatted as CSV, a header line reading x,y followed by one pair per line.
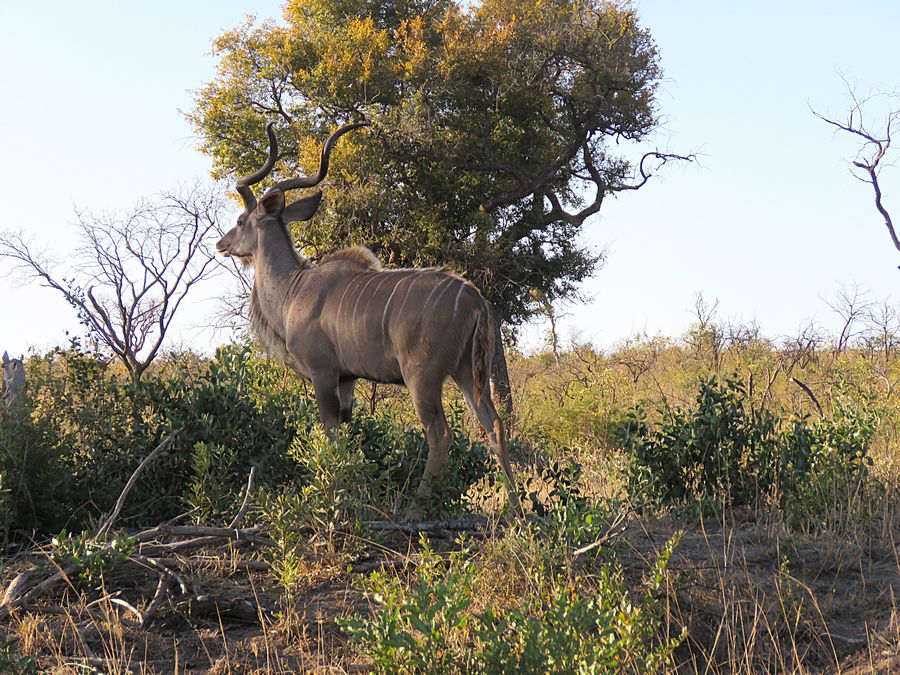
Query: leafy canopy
x,y
493,127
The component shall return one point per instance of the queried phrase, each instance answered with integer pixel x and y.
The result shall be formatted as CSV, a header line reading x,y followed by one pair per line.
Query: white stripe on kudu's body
x,y
387,305
324,319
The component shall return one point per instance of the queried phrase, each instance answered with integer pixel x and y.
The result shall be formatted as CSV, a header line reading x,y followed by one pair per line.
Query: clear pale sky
x,y
768,223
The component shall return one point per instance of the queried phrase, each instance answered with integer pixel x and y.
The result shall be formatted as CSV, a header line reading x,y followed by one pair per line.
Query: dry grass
x,y
753,596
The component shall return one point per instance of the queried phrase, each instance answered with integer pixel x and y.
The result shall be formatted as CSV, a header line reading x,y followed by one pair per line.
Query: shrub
x,y
726,452
370,469
432,626
92,557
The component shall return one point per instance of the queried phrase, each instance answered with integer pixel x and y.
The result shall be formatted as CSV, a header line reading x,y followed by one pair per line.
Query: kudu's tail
x,y
482,354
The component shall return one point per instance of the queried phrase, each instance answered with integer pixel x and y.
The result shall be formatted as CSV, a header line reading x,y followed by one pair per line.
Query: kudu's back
x,y
393,325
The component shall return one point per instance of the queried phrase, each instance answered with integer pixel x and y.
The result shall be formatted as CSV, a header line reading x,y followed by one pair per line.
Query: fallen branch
x,y
616,528
162,589
22,598
236,536
159,449
128,606
466,525
239,516
164,568
196,531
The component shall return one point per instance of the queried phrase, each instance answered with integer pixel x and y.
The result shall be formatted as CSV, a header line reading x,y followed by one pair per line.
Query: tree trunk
x,y
500,376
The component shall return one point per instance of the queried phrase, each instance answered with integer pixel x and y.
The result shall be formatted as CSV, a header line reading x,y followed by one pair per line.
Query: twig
x,y
241,511
104,528
162,567
161,589
616,528
809,393
469,524
131,608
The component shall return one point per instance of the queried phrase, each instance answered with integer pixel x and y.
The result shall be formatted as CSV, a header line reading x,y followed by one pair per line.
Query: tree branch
x,y
871,153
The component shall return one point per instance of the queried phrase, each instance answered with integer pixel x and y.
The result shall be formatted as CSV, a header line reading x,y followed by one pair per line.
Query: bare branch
x,y
874,147
104,528
131,273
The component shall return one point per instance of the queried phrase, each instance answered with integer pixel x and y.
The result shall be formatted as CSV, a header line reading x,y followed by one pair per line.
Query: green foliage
x,y
828,459
490,121
371,468
211,496
726,452
398,453
413,629
66,456
340,482
92,556
433,626
284,513
14,663
84,428
231,418
71,444
565,519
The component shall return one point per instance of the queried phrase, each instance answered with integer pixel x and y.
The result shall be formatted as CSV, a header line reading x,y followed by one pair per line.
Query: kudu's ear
x,y
5,358
302,209
271,203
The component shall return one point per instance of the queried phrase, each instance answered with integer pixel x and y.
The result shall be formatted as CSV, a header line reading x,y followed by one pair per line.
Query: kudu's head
x,y
271,210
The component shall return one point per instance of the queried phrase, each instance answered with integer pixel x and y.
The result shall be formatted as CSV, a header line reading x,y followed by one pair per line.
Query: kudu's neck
x,y
276,266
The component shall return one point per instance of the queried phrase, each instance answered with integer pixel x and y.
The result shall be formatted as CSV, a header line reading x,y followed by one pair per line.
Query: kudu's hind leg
x,y
487,416
430,411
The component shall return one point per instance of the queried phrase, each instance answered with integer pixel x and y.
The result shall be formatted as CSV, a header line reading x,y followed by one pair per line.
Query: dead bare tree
x,y
883,333
798,351
875,144
851,303
551,309
130,273
706,338
639,354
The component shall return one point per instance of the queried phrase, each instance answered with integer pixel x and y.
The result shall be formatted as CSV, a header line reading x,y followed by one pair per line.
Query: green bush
x,y
92,557
84,428
370,470
727,452
230,418
71,444
433,625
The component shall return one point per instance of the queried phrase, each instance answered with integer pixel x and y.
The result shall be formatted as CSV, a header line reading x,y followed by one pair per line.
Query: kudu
x,y
345,318
13,381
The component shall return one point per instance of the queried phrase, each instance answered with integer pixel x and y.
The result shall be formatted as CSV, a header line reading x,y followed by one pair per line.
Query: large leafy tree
x,y
496,128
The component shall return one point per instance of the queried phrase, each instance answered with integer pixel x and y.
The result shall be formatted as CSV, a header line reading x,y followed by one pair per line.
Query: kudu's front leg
x,y
329,403
345,395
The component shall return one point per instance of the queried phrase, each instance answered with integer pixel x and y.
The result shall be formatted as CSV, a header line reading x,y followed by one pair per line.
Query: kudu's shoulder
x,y
358,256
